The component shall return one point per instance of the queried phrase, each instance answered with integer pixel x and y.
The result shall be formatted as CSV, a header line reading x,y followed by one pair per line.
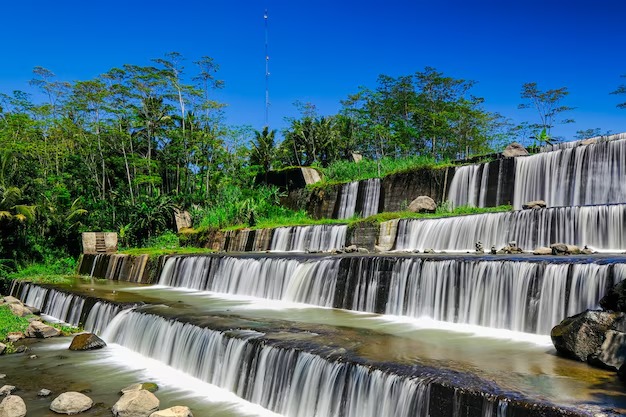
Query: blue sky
x,y
321,51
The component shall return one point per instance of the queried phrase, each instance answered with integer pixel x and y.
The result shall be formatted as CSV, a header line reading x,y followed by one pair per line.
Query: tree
x,y
621,90
548,106
263,149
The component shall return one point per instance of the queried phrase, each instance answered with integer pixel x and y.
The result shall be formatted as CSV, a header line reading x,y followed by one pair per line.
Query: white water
x,y
371,197
575,143
64,307
288,381
584,175
469,186
100,316
519,296
347,200
602,228
309,238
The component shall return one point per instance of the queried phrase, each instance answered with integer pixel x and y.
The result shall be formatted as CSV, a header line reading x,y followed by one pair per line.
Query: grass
x,y
347,171
155,252
440,213
9,322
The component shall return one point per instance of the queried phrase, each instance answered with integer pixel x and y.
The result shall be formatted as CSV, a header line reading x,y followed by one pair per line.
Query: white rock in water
x,y
140,403
71,402
12,406
176,411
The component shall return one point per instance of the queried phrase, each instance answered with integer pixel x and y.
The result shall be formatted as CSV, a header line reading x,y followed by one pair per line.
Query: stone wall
x,y
121,267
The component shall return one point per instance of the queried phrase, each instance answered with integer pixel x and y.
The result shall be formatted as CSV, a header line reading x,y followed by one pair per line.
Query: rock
x,y
582,335
612,352
423,204
14,336
479,247
587,251
33,357
2,376
140,403
86,341
379,249
513,150
536,204
573,249
34,310
148,386
362,250
41,331
542,250
21,349
513,244
508,250
621,373
44,392
615,298
429,251
20,310
351,249
71,402
12,300
3,347
7,389
176,411
559,249
12,406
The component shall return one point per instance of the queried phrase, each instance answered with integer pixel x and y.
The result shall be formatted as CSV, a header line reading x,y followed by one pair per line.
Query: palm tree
x,y
263,149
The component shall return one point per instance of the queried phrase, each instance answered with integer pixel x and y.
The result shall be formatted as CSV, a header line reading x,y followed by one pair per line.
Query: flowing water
x,y
359,197
602,228
309,238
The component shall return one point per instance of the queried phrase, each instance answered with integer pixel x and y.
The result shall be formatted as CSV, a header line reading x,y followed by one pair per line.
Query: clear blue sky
x,y
321,51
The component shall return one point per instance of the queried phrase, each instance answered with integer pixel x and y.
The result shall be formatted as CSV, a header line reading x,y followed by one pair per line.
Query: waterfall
x,y
347,200
599,227
583,175
100,316
295,280
59,305
469,186
575,143
521,296
291,382
371,197
309,238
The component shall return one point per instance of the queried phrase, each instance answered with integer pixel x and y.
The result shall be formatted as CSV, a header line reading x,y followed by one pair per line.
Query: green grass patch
x,y
52,279
155,252
347,171
9,322
440,213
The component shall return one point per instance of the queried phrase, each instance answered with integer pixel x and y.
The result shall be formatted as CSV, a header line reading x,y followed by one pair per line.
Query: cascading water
x,y
371,197
347,200
469,186
575,143
59,305
295,280
600,227
100,316
288,381
515,295
521,296
584,175
309,238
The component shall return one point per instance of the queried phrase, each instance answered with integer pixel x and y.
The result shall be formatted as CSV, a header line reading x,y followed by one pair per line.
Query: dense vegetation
x,y
123,151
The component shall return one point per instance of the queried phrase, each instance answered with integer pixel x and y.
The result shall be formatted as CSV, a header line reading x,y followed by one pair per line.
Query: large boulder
x,y
20,310
12,300
423,204
86,341
41,331
71,402
139,403
612,352
14,336
536,204
615,298
563,249
176,411
542,250
582,335
12,406
513,150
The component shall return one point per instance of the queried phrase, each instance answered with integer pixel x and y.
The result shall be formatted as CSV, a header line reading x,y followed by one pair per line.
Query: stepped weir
x,y
398,333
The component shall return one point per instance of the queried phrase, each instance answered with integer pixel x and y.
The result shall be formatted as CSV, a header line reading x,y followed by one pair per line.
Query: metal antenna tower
x,y
267,74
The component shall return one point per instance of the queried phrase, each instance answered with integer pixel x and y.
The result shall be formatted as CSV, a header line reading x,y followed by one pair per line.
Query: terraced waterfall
x,y
389,334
